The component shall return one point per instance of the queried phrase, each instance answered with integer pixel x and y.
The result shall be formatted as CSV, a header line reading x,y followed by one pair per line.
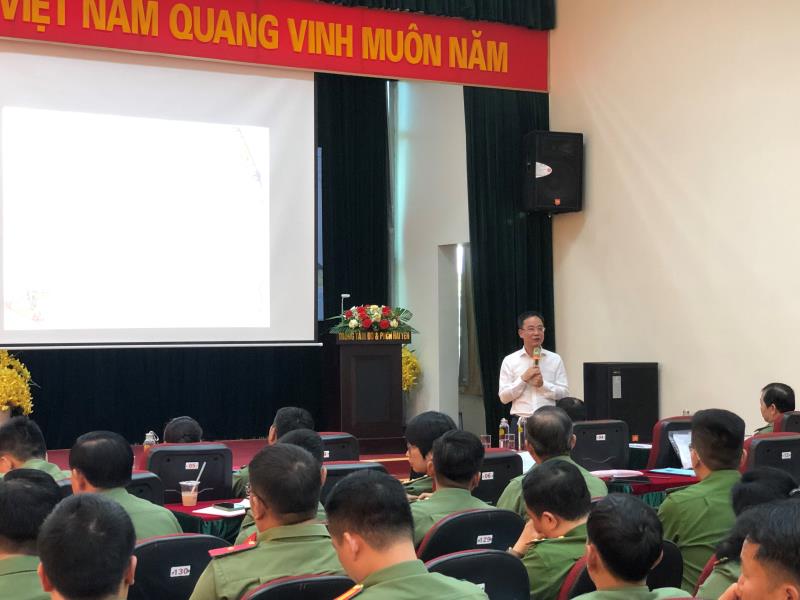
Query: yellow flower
x,y
353,323
15,380
393,323
410,368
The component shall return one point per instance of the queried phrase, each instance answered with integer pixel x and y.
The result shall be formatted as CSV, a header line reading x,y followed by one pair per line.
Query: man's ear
x,y
258,507
743,460
658,560
475,481
549,522
323,475
353,543
130,571
47,586
78,481
429,470
6,463
272,435
790,591
592,557
572,441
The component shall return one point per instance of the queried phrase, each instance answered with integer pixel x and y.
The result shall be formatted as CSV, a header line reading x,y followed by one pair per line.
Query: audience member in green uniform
x,y
86,547
285,483
26,498
421,432
288,418
22,447
776,399
308,440
770,555
548,437
623,544
758,486
554,537
456,471
372,530
102,462
697,518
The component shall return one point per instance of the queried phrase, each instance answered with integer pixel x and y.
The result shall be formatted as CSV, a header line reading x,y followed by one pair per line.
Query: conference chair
x,y
174,463
339,445
499,467
501,575
779,450
601,445
667,573
662,454
475,529
788,421
144,484
338,470
307,587
169,566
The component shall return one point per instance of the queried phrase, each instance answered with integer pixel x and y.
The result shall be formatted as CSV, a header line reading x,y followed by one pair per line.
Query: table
x,y
654,492
226,527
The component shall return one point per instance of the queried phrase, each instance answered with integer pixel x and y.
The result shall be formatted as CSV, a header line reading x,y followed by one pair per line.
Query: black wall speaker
x,y
553,172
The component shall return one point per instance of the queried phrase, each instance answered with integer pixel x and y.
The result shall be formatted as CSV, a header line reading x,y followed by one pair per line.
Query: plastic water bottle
x,y
503,432
150,439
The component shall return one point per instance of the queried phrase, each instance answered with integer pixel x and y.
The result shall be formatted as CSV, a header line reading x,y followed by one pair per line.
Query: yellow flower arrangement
x,y
15,382
411,370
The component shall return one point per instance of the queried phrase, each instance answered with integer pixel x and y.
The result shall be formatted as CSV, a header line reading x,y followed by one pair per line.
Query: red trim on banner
x,y
301,34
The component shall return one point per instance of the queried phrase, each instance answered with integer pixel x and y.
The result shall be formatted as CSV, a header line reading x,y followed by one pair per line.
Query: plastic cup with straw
x,y
190,489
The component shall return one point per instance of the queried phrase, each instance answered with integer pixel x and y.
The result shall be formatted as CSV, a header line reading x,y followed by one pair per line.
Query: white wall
x,y
430,217
687,251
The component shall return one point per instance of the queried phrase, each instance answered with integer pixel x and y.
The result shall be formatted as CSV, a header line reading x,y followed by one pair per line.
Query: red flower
x,y
348,314
386,311
366,323
361,310
384,324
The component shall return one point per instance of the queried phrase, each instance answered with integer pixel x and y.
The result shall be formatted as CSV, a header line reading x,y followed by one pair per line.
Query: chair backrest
x,y
576,582
601,445
779,450
501,575
705,573
476,529
339,445
65,486
341,469
148,486
168,567
499,467
174,463
307,587
662,454
788,421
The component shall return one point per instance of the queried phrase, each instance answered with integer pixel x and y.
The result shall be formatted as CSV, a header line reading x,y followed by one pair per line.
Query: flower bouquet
x,y
370,322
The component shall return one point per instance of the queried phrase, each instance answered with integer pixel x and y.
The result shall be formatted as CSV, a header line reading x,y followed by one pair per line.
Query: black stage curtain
x,y
511,251
234,392
352,133
536,14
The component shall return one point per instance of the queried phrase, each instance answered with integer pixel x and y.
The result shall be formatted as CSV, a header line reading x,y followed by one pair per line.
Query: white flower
x,y
393,323
353,323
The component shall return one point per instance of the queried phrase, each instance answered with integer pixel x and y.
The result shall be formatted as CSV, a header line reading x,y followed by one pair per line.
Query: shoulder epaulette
x,y
249,544
351,593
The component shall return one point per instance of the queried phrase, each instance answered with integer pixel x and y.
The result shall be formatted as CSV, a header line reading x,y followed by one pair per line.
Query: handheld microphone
x,y
537,354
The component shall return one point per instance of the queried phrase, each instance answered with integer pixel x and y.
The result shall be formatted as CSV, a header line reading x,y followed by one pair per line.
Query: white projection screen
x,y
154,201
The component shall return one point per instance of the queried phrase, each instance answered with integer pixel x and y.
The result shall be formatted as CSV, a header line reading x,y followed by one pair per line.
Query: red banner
x,y
301,34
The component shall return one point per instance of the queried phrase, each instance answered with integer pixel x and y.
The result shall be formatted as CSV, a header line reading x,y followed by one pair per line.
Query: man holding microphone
x,y
531,377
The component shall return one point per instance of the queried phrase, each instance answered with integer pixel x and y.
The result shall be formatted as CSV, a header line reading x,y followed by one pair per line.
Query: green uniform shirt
x,y
511,498
726,572
443,502
42,465
19,580
248,527
639,592
411,580
302,549
548,562
418,486
149,520
768,428
697,518
240,480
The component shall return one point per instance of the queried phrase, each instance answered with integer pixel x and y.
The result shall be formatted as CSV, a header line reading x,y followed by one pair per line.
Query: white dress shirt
x,y
525,398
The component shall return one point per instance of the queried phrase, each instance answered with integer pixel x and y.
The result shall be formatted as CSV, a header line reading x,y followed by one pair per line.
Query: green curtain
x,y
536,14
511,251
353,136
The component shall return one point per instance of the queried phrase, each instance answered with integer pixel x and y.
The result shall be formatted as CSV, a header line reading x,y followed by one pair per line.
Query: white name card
x,y
183,571
192,466
487,476
483,540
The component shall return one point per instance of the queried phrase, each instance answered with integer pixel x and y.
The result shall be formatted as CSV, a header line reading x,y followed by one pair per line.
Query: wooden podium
x,y
370,393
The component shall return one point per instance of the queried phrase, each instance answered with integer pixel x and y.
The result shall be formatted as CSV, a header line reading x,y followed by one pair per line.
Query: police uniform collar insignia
x,y
352,592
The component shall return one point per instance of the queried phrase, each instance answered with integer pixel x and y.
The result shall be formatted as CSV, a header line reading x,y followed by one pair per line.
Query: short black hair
x,y
574,407
779,394
457,456
25,501
286,478
289,418
105,458
627,533
718,437
557,486
85,546
757,486
527,315
21,438
776,530
183,430
426,428
372,504
307,439
549,431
